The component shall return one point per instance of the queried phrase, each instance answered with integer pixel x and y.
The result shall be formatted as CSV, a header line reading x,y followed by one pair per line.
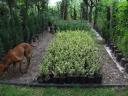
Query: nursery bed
x,y
72,57
110,73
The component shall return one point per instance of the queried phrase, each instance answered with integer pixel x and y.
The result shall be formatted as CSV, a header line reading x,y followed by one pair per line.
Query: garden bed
x,y
72,57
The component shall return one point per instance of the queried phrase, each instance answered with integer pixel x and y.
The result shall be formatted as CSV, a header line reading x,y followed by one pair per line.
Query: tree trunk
x,y
25,26
38,7
109,20
90,14
74,14
95,17
64,9
86,15
65,12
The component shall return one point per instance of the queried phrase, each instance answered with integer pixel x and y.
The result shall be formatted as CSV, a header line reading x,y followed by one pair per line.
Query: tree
x,y
64,9
90,5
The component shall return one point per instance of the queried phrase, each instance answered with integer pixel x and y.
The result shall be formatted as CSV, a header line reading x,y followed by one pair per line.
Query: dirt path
x,y
38,53
110,72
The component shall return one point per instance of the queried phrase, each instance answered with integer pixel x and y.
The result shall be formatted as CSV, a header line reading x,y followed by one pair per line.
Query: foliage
x,y
69,9
122,27
113,26
72,25
20,20
74,53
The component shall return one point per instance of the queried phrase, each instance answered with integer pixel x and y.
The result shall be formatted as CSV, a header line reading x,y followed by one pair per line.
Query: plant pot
x,y
34,39
107,43
61,80
98,79
114,48
123,62
116,52
119,56
83,80
43,80
75,79
51,75
111,45
30,40
37,36
50,80
126,67
69,79
39,79
55,80
106,40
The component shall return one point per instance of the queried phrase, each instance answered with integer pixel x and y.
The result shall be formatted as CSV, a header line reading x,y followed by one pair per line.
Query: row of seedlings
x,y
72,57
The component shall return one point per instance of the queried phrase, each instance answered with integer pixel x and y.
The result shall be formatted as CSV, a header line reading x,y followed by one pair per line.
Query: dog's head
x,y
2,69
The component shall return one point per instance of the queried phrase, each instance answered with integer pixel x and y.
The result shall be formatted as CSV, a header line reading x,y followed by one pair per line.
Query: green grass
x,y
6,90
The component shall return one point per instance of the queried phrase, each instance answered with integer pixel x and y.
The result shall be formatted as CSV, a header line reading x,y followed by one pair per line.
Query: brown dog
x,y
15,56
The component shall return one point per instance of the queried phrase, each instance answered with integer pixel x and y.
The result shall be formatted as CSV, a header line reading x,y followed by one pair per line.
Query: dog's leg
x,y
20,68
28,57
14,67
28,62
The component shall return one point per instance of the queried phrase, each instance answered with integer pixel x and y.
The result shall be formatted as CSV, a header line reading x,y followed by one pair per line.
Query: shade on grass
x,y
6,90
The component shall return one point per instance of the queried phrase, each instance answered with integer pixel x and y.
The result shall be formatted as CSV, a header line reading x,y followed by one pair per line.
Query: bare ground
x,y
111,74
33,71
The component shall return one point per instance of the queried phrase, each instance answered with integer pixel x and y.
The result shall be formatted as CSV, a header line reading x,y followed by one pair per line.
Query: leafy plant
x,y
74,53
72,25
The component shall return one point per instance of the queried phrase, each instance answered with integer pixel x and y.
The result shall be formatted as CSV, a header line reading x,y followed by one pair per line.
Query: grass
x,y
6,90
